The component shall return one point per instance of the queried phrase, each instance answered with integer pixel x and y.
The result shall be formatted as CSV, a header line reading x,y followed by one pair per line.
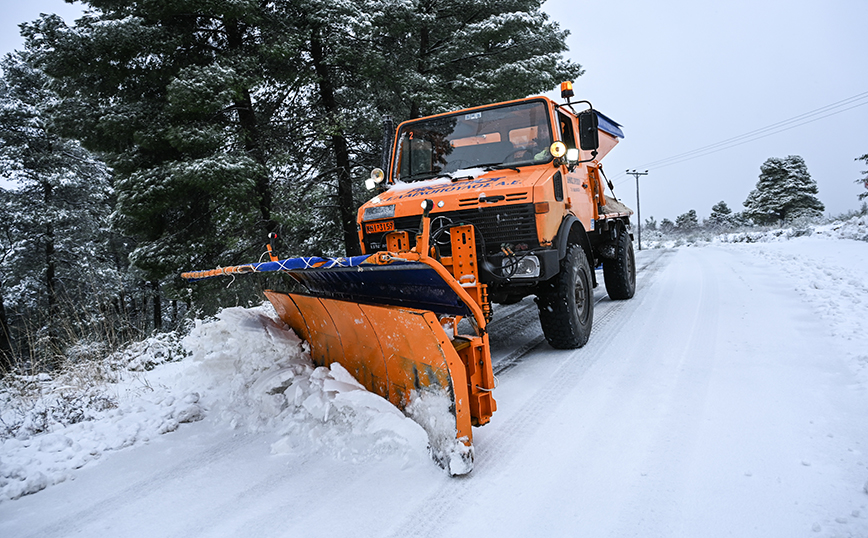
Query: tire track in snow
x,y
680,378
603,309
507,438
269,506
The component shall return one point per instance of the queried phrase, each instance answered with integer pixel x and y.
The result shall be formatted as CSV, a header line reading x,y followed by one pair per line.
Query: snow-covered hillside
x,y
728,398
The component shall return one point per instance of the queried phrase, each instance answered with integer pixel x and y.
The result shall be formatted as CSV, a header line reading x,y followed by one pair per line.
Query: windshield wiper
x,y
422,176
498,166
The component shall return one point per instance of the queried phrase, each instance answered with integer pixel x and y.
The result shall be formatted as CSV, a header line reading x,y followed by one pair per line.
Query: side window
x,y
566,126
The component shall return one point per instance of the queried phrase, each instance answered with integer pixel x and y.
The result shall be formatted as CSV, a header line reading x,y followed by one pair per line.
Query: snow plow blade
x,y
385,318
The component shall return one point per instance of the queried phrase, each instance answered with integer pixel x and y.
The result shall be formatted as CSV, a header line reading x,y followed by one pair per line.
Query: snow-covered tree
x,y
721,216
163,90
667,226
650,224
864,179
7,241
720,210
442,54
409,59
785,191
687,221
205,110
55,240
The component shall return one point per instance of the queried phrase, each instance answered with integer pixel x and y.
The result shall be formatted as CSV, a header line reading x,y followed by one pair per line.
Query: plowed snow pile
x,y
244,370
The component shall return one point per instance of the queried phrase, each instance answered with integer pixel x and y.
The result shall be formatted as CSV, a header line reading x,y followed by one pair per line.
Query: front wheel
x,y
566,302
620,271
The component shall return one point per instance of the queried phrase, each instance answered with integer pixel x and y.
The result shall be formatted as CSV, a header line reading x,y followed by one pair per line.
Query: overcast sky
x,y
681,75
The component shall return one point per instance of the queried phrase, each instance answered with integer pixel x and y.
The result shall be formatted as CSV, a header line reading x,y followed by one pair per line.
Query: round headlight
x,y
558,149
377,175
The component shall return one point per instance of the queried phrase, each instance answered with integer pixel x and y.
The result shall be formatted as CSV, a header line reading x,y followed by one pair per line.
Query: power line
x,y
775,128
763,132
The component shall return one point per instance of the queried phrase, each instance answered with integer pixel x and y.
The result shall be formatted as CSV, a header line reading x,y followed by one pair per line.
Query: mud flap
x,y
401,353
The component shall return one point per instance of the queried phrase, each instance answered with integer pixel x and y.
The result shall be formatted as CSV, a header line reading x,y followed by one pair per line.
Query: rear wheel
x,y
566,302
620,272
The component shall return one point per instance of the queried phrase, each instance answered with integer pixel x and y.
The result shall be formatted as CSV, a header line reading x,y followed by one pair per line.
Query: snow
x,y
431,410
728,398
401,186
254,375
465,173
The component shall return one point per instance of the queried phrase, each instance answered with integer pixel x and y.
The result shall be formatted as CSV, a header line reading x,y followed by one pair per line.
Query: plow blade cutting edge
x,y
390,319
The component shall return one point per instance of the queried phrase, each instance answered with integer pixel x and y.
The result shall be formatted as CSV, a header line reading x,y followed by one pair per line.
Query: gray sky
x,y
682,75
17,11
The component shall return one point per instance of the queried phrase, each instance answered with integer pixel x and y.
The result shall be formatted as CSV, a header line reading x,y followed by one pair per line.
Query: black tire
x,y
566,302
619,273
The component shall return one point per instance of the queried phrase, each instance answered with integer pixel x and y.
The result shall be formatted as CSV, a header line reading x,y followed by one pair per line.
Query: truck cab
x,y
514,171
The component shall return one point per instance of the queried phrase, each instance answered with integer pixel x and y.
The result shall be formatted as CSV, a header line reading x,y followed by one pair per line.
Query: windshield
x,y
505,136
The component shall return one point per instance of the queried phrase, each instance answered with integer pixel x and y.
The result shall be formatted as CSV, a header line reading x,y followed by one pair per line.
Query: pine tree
x,y
206,110
408,59
6,251
864,179
165,90
721,216
687,222
438,55
785,191
55,220
667,226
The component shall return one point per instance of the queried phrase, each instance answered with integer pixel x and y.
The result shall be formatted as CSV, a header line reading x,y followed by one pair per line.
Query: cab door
x,y
579,193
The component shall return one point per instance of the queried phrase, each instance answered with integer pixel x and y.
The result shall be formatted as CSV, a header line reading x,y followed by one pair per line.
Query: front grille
x,y
513,224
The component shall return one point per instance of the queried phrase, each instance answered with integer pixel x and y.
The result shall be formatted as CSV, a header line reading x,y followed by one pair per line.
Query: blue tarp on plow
x,y
400,283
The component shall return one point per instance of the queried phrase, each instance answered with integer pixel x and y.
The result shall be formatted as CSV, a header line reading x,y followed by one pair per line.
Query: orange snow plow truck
x,y
484,205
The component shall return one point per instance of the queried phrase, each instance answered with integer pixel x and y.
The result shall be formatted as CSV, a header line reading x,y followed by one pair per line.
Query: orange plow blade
x,y
402,354
382,317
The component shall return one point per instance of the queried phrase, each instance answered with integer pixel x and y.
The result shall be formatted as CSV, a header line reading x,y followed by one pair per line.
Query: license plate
x,y
380,227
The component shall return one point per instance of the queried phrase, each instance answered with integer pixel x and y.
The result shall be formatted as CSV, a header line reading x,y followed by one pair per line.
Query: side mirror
x,y
589,136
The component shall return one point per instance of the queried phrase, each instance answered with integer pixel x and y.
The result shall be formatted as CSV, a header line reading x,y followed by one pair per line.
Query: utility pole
x,y
636,174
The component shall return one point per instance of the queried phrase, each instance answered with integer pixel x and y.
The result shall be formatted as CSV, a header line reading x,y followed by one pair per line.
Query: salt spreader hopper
x,y
390,319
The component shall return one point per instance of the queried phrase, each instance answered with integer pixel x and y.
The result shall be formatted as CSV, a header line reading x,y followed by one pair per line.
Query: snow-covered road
x,y
728,398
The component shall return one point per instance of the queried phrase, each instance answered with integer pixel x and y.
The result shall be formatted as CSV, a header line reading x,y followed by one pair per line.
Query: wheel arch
x,y
572,232
623,226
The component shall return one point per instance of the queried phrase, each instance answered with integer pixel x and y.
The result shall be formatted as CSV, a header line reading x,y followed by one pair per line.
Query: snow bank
x,y
830,276
29,463
855,228
264,380
827,268
242,370
822,264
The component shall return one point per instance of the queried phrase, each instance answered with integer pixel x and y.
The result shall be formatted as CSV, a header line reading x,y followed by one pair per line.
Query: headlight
x,y
379,212
377,176
558,149
525,267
